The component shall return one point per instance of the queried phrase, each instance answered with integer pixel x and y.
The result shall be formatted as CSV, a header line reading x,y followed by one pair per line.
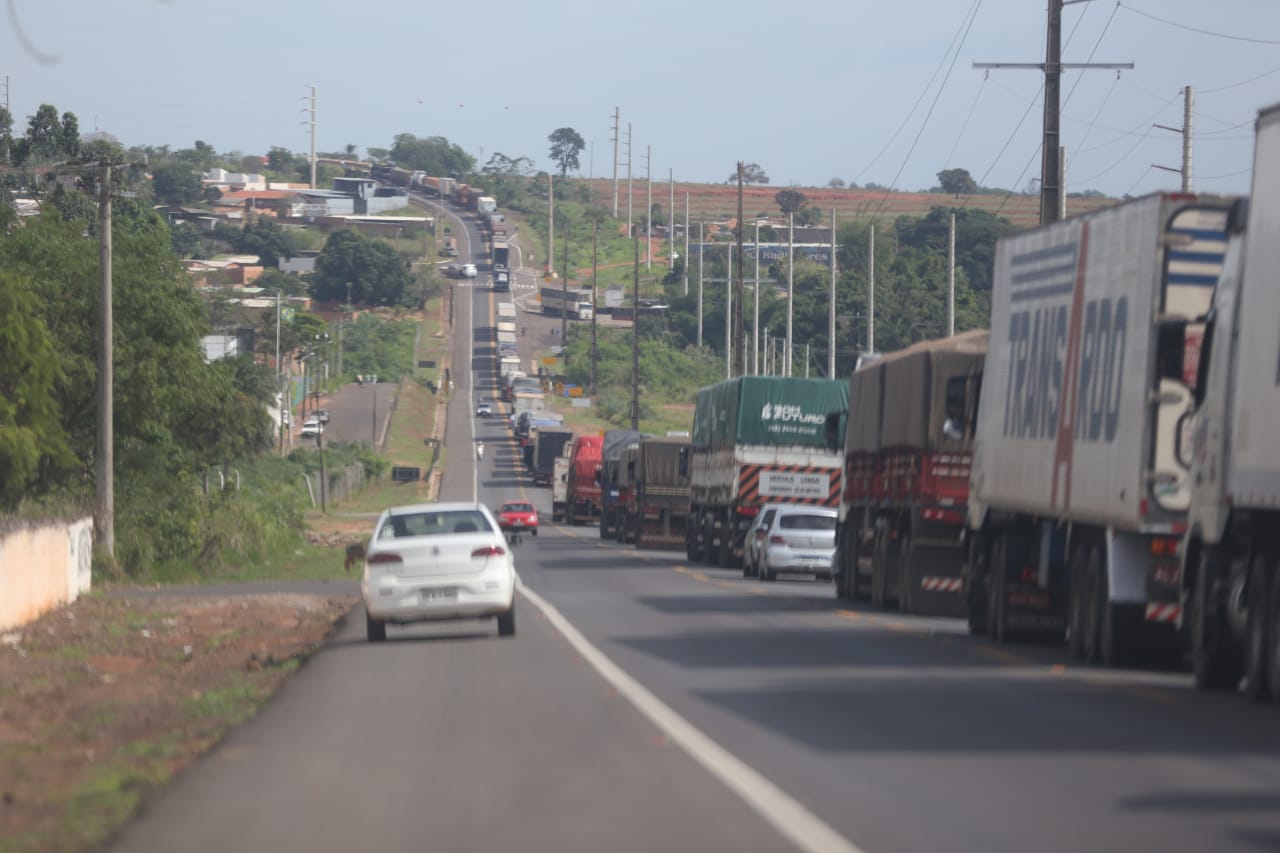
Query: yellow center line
x,y
850,614
699,576
725,585
682,570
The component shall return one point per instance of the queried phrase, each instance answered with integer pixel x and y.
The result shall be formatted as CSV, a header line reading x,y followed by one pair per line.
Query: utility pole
x,y
648,210
791,289
551,227
728,312
106,377
951,277
564,286
313,137
831,310
687,228
635,340
764,343
1050,187
755,321
1187,107
702,246
630,216
871,291
617,114
739,331
671,220
595,308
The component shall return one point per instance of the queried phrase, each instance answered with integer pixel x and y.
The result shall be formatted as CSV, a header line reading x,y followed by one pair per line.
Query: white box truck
x,y
1231,553
1077,498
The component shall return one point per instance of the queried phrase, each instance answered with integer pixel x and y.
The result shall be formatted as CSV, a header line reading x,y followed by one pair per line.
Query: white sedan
x,y
799,539
437,561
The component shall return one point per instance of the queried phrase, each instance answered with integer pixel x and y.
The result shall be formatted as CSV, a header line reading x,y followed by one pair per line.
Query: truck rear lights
x,y
1162,546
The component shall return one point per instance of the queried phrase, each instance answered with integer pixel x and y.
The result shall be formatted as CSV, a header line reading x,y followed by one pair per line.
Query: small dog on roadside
x,y
355,553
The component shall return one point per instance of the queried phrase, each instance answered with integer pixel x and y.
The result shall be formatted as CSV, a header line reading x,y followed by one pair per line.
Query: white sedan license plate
x,y
445,594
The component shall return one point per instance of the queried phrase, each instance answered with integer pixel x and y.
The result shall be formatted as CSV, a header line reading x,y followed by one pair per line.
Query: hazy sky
x,y
809,90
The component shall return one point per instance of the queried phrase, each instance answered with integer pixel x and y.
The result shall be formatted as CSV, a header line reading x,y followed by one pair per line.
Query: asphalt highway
x,y
649,704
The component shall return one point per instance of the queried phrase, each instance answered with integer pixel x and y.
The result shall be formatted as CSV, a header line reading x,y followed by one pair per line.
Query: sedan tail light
x,y
777,540
384,557
489,551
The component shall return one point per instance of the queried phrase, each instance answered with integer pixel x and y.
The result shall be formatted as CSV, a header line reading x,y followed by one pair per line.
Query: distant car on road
x,y
469,271
311,428
322,415
799,539
484,409
437,561
518,516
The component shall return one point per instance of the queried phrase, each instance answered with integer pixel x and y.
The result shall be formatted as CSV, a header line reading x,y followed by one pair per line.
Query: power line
x,y
972,108
1237,85
973,17
1196,29
923,92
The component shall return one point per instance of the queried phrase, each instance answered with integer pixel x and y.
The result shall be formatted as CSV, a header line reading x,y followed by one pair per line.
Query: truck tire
x,y
710,550
997,618
974,597
905,582
1079,566
1273,627
725,557
877,572
1216,661
1258,644
605,527
693,528
1094,599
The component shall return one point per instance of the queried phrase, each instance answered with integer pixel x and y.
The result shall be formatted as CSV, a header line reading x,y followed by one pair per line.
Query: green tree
x,y
32,437
377,275
790,201
566,145
6,137
751,174
176,182
957,182
434,155
266,239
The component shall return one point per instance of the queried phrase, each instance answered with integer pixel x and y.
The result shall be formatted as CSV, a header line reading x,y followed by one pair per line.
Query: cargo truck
x,y
1077,499
1231,553
757,440
906,478
660,507
549,443
582,502
501,255
576,304
612,445
624,479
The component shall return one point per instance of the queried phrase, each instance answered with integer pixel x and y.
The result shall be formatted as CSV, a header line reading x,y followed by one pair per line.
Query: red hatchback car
x,y
518,515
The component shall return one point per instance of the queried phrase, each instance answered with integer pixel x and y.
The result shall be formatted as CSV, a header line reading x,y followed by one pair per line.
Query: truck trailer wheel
x,y
1216,661
905,581
1258,645
877,571
710,550
1076,601
1093,600
997,624
1273,627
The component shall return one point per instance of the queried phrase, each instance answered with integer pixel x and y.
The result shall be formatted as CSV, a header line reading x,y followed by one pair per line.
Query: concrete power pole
x,y
755,318
106,378
551,227
635,340
739,303
595,308
630,216
831,311
313,137
951,277
617,115
702,247
1188,106
687,228
871,290
671,219
791,290
648,210
1052,68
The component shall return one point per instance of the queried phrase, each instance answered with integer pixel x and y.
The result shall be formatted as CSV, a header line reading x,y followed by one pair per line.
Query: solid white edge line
x,y
796,823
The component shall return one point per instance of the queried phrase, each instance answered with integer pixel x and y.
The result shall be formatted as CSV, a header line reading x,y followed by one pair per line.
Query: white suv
x,y
468,270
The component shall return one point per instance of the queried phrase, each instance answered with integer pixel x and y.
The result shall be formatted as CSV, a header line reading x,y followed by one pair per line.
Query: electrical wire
x,y
1224,177
972,108
1197,29
920,99
1237,85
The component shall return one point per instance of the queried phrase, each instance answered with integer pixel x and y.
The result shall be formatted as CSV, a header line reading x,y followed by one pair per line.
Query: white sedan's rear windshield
x,y
434,523
807,522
